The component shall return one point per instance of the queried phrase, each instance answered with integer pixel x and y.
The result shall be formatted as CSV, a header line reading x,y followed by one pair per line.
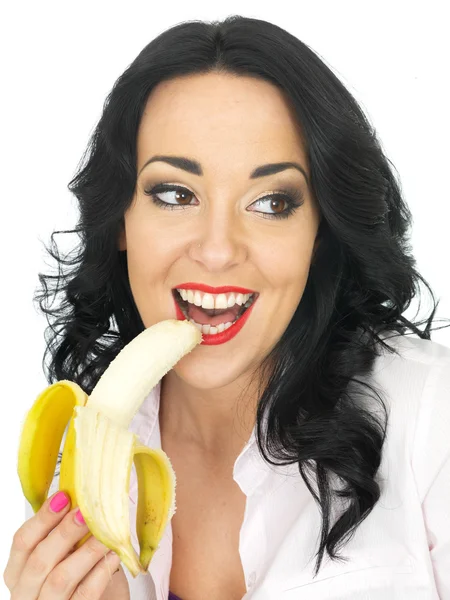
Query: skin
x,y
42,562
231,125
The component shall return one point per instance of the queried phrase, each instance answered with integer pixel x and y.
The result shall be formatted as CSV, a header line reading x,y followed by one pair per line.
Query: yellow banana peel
x,y
99,451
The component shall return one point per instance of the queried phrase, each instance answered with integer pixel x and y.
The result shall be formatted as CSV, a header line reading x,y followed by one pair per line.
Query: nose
x,y
220,243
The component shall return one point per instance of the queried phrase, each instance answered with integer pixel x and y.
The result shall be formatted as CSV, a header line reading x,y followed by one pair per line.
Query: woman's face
x,y
223,229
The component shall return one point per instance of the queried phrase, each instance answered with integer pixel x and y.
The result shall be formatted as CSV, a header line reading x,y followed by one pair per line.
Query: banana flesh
x,y
99,451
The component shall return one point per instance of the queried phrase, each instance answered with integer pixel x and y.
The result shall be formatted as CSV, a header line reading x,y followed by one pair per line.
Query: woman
x,y
232,171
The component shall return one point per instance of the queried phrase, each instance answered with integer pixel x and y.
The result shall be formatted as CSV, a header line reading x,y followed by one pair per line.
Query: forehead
x,y
220,119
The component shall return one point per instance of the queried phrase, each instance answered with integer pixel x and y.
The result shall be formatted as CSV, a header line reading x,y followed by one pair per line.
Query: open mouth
x,y
212,320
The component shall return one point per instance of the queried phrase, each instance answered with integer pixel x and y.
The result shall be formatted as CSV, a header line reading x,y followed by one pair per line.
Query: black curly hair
x,y
362,279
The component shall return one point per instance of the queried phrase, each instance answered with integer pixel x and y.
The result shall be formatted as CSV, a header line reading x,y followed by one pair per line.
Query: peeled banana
x,y
99,451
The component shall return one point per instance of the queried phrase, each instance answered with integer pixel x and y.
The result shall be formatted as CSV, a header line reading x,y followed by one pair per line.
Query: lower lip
x,y
225,336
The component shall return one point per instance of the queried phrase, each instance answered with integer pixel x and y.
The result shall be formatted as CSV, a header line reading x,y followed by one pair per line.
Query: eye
x,y
182,195
288,199
282,204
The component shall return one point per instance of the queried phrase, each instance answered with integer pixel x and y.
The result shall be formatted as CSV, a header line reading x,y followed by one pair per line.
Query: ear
x,y
316,242
122,239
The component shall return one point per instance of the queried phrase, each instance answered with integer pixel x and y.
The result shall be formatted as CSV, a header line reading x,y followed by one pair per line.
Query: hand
x,y
43,564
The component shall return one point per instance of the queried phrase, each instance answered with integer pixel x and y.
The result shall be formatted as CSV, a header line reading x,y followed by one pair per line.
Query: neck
x,y
216,421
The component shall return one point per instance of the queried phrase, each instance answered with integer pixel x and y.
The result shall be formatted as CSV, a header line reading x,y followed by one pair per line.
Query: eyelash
x,y
292,196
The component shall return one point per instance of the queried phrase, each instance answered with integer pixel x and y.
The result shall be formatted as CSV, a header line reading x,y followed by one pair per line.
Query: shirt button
x,y
251,579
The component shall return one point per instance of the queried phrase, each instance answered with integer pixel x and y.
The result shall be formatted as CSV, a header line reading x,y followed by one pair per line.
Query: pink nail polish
x,y
79,518
58,502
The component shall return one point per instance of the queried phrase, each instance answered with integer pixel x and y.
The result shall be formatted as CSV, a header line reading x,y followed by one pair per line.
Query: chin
x,y
204,374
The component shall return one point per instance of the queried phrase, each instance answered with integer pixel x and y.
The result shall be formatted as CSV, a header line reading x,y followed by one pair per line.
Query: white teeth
x,y
209,329
207,301
218,301
221,301
197,298
210,301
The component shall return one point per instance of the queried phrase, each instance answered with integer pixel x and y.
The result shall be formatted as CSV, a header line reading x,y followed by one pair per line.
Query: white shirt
x,y
401,551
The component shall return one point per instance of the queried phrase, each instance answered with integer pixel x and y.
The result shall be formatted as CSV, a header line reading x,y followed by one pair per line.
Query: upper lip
x,y
224,289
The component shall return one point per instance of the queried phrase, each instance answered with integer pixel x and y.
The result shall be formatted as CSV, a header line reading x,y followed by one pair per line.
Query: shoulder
x,y
411,350
412,367
415,385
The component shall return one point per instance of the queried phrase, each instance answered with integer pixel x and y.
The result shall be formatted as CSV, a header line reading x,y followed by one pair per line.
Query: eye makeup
x,y
291,196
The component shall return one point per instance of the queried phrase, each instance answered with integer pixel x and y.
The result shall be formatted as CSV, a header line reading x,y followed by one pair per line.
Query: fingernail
x,y
79,518
58,502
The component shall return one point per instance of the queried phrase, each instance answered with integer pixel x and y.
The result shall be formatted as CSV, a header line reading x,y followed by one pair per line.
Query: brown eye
x,y
183,196
170,196
276,203
282,204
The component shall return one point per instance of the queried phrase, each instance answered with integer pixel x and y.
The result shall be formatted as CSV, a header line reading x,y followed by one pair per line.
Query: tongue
x,y
212,316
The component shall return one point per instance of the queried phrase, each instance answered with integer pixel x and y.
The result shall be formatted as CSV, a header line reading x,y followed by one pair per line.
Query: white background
x,y
59,61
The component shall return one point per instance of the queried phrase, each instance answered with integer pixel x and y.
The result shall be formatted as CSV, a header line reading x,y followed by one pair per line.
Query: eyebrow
x,y
194,167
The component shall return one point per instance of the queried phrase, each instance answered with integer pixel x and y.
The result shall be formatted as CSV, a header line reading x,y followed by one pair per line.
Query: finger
x,y
63,580
28,536
99,579
47,554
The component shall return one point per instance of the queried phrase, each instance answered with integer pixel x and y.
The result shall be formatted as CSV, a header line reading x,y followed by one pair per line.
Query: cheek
x,y
145,256
287,260
145,240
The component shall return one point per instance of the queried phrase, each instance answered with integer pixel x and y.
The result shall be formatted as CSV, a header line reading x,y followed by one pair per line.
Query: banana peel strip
x,y
40,438
156,497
